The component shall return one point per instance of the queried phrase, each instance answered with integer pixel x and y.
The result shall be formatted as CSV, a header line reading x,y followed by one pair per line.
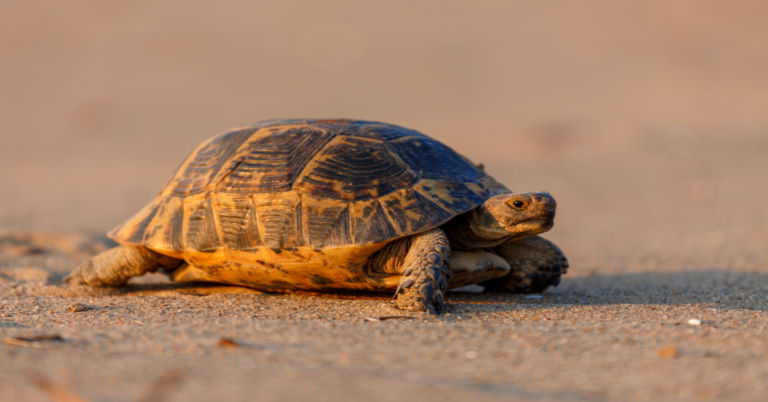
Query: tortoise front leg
x,y
536,264
117,265
424,273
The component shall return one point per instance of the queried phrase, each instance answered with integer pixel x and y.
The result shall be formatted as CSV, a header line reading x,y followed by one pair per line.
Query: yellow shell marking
x,y
300,268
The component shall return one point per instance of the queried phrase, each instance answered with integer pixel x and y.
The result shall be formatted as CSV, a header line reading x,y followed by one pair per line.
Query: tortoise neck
x,y
468,231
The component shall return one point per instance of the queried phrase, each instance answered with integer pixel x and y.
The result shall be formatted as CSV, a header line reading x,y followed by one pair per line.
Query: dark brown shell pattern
x,y
308,183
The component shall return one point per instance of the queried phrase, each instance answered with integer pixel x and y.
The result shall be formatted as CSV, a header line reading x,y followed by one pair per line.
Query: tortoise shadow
x,y
159,284
718,288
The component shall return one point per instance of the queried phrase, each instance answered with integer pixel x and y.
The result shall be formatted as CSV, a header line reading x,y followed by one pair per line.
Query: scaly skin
x,y
424,273
117,265
536,265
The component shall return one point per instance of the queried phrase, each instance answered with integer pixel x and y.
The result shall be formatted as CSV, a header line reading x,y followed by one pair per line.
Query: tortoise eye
x,y
517,204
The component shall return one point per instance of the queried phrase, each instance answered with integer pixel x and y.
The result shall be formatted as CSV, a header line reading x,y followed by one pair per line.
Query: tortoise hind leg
x,y
117,265
536,265
424,273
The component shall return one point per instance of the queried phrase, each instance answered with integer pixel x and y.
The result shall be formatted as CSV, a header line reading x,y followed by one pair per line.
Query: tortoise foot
x,y
536,265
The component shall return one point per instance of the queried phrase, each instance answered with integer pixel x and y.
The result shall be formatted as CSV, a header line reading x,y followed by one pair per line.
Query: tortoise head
x,y
513,216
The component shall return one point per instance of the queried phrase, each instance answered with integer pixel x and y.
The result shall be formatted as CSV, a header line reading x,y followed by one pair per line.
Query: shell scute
x,y
195,174
354,169
272,163
200,231
236,217
279,220
325,223
433,160
369,221
411,212
165,229
450,196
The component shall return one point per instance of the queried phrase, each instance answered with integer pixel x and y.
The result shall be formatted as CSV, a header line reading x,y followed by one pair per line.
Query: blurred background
x,y
645,119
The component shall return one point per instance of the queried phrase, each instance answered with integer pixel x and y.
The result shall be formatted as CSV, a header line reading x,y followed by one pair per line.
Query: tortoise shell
x,y
287,184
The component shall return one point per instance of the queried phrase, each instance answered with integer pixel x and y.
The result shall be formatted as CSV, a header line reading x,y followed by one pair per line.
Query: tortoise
x,y
329,205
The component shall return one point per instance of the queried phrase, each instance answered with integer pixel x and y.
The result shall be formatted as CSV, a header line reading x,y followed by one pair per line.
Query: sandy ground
x,y
645,120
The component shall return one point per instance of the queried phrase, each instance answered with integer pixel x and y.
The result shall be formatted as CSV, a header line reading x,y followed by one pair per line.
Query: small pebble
x,y
534,296
470,354
669,351
694,322
228,343
77,307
